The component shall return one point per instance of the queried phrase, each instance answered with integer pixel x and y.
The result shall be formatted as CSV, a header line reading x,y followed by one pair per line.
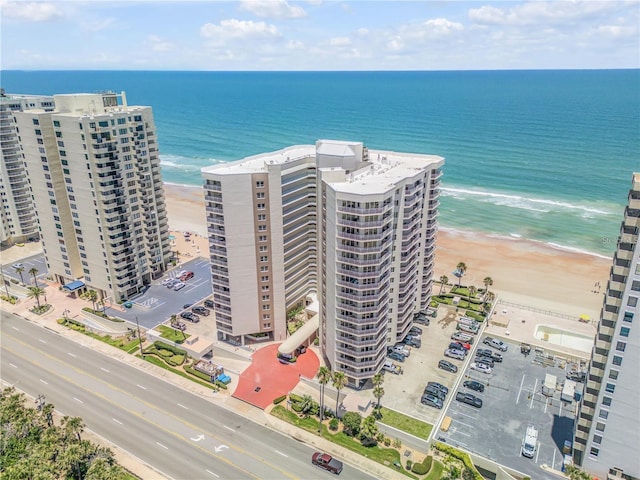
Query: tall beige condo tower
x,y
19,222
354,228
607,433
95,175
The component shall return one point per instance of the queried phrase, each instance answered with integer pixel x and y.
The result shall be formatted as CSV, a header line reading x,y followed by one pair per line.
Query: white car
x,y
481,367
166,281
17,265
495,343
180,273
179,286
453,353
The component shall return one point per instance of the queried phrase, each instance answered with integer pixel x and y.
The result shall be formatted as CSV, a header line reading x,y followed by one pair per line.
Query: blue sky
x,y
319,35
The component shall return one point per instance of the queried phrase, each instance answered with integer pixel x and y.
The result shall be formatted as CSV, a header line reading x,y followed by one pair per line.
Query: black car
x,y
186,305
421,320
186,314
448,366
201,311
439,386
209,303
469,399
396,356
436,392
485,352
415,329
474,385
412,342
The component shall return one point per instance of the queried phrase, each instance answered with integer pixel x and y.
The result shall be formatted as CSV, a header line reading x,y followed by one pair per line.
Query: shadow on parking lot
x,y
448,319
561,430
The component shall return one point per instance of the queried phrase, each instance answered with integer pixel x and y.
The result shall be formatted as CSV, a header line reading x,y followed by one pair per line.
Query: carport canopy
x,y
73,286
300,335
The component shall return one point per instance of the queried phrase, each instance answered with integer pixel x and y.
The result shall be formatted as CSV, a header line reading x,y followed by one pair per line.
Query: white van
x,y
468,328
530,442
467,320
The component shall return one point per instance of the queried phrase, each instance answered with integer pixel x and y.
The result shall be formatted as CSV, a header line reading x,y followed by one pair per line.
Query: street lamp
x,y
66,313
139,337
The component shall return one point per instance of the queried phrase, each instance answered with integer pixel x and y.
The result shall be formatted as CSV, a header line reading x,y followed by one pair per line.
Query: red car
x,y
466,346
186,276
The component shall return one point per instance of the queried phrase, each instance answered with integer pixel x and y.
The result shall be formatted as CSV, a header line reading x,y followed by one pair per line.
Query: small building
x,y
549,385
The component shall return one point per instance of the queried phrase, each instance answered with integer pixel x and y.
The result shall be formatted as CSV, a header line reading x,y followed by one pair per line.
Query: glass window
x,y
620,346
597,439
603,414
600,427
610,388
633,301
628,317
613,374
624,331
635,285
594,451
617,360
606,401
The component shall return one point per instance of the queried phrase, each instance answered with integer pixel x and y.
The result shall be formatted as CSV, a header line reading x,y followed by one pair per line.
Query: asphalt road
x,y
176,432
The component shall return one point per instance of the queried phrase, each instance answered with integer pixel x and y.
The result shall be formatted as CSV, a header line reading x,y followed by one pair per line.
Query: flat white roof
x,y
258,163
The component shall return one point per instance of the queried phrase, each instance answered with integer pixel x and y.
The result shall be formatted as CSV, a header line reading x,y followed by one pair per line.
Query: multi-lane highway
x,y
176,432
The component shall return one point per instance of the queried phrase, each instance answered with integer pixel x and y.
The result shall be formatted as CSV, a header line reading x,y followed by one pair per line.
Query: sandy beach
x,y
523,272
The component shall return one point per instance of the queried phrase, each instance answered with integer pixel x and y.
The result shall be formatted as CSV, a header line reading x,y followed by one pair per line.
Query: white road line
x,y
458,422
465,415
16,329
78,400
533,393
463,433
215,475
560,412
144,388
520,390
117,421
229,428
161,445
71,354
12,365
44,382
553,463
104,370
41,341
280,453
538,452
186,408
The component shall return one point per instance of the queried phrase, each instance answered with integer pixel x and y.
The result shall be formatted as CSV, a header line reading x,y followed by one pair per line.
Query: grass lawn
x,y
172,334
436,471
404,423
122,344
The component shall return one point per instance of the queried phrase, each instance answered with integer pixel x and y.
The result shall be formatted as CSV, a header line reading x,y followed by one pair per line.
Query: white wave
x,y
526,203
185,163
565,248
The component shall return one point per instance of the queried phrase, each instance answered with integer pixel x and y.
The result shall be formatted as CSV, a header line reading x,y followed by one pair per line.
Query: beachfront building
x,y
95,175
353,226
17,216
607,431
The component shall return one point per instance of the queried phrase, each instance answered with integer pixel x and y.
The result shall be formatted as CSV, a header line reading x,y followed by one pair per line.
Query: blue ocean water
x,y
542,155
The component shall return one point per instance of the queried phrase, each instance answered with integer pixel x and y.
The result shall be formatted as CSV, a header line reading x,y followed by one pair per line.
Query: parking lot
x,y
512,399
158,303
34,261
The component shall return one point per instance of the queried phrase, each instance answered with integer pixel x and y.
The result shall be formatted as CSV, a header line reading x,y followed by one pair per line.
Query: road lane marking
x,y
78,400
117,421
15,328
104,370
229,428
144,388
215,475
280,453
520,390
12,365
182,406
71,354
44,382
161,445
41,340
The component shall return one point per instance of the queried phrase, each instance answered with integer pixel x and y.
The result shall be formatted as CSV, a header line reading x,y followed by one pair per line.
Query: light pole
x,y
139,337
65,313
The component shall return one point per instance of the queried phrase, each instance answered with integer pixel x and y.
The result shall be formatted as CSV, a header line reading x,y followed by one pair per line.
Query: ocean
x,y
540,155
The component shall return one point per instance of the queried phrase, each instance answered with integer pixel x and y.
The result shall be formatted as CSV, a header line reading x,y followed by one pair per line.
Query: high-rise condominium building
x,y
19,222
95,174
607,433
354,226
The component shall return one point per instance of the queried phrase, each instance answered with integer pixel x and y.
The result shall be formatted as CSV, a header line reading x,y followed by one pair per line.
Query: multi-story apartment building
x,y
94,169
607,431
353,225
18,219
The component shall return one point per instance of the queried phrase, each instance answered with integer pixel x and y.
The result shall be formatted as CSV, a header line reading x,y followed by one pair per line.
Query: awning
x,y
300,335
73,286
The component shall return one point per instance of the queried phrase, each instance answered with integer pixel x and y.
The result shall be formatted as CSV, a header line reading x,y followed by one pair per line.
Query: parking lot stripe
x,y
520,390
533,393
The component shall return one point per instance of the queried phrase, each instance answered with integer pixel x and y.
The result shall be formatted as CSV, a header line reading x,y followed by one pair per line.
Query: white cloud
x,y
618,31
30,11
340,42
157,44
273,9
442,26
233,29
97,25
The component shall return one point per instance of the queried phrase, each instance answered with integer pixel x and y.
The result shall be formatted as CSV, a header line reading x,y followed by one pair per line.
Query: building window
x,y
613,374
260,195
262,217
597,439
56,123
262,238
632,301
265,288
265,298
264,278
594,451
36,121
603,414
264,258
617,360
263,248
606,401
600,427
624,331
620,346
266,325
260,184
261,206
266,306
628,317
262,228
610,388
264,268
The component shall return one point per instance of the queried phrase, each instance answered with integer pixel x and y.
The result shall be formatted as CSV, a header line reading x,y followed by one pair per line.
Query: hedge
x,y
196,373
279,399
295,398
463,457
165,346
220,384
424,467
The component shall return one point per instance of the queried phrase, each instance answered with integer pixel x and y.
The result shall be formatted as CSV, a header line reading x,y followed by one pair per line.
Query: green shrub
x,y
295,398
333,424
12,299
463,457
164,353
196,373
220,384
419,469
279,399
296,407
161,345
177,359
428,461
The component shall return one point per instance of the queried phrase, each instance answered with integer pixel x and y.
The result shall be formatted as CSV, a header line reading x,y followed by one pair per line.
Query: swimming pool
x,y
564,338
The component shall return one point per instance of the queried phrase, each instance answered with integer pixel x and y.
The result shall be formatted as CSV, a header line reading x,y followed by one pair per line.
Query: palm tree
x,y
306,405
472,293
339,382
461,269
324,375
378,379
378,392
488,281
19,271
34,271
443,281
35,292
73,426
91,295
369,429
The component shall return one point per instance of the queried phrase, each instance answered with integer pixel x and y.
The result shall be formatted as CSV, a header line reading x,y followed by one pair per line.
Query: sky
x,y
318,35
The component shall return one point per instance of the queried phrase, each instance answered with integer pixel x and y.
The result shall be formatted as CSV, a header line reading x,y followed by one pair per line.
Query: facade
x,y
17,216
607,432
353,226
95,174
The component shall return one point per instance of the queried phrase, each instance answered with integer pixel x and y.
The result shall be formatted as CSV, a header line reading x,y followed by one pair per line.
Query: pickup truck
x,y
327,462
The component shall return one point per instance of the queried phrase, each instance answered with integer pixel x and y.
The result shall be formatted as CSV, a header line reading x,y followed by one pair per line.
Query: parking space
x,y
512,400
158,303
34,261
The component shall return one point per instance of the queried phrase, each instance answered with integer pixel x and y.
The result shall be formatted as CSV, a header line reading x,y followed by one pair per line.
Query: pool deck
x,y
519,325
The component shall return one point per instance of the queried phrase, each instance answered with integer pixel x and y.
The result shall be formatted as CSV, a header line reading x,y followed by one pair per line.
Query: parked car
x,y
439,386
415,329
421,319
431,401
458,346
447,366
396,356
167,281
299,351
436,392
481,367
17,266
412,342
495,343
463,337
172,283
179,286
389,366
474,385
466,346
209,304
201,310
469,399
186,276
187,305
486,360
186,315
402,349
453,353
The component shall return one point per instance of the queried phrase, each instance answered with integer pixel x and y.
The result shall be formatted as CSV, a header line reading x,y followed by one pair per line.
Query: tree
x,y
34,271
378,379
488,281
472,293
324,375
369,431
443,281
378,392
339,382
35,292
352,422
306,405
574,473
73,426
19,271
461,269
92,296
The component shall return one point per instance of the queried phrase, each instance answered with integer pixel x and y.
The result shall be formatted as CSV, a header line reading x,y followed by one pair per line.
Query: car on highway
x,y
453,353
327,462
179,286
474,385
396,356
439,386
447,366
469,399
481,367
495,343
431,401
201,310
